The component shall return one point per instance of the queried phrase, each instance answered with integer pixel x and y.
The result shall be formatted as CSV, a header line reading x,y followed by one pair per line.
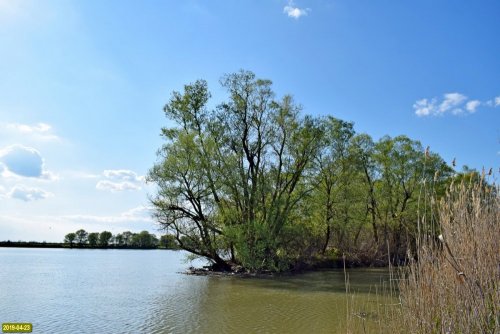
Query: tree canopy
x,y
253,182
127,239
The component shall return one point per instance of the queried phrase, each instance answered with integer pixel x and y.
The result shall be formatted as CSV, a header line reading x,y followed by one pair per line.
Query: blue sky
x,y
83,83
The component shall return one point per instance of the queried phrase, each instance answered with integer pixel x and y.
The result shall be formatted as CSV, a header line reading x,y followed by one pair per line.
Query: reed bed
x,y
452,282
454,285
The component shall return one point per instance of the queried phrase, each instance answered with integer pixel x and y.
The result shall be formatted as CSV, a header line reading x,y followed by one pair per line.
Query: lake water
x,y
142,291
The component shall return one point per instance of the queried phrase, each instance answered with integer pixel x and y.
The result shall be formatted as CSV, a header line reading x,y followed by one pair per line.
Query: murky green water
x,y
129,291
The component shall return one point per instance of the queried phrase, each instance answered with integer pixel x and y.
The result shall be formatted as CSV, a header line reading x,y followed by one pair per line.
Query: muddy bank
x,y
299,268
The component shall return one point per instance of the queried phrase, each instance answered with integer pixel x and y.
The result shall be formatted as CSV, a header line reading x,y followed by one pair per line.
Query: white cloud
x,y
120,180
22,161
116,186
82,175
472,105
28,194
425,107
454,103
39,131
295,12
451,102
138,214
96,219
40,127
123,175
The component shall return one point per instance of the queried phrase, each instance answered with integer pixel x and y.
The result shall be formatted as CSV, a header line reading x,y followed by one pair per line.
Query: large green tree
x,y
81,236
93,238
104,238
119,239
144,240
334,178
251,182
231,178
404,169
70,238
126,238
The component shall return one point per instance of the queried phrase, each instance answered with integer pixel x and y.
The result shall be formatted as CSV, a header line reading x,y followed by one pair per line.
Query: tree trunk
x,y
327,238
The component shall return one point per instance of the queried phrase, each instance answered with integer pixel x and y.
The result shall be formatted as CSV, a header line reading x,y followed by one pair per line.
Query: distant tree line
x,y
30,244
127,239
252,183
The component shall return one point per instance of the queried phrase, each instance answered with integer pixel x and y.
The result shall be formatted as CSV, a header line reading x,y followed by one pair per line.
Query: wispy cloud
x,y
39,131
141,211
123,175
471,106
40,127
117,180
425,107
82,175
28,194
137,214
116,186
295,12
451,103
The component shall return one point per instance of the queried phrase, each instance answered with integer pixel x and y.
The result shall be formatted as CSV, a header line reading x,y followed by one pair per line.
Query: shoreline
x,y
34,244
242,273
237,271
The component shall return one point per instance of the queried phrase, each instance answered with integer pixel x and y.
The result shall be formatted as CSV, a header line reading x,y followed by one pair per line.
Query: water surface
x,y
143,291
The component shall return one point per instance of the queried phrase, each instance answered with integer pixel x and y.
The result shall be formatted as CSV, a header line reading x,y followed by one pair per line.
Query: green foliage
x,y
256,249
144,240
119,239
81,236
168,241
104,238
253,183
93,239
70,238
127,238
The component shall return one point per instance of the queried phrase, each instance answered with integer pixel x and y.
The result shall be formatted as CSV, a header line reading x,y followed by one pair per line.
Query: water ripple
x,y
116,291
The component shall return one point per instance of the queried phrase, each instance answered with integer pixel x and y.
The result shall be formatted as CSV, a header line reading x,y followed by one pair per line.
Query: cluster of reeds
x,y
453,284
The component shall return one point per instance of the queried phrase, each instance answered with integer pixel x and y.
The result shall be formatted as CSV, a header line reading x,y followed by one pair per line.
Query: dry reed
x,y
454,285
